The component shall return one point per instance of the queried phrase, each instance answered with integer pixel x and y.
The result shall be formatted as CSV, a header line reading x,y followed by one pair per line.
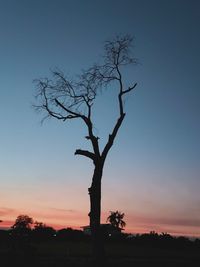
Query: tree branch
x,y
85,153
111,137
64,98
129,89
73,114
92,137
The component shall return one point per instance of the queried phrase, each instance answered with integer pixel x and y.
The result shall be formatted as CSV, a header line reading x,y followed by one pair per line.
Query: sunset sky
x,y
152,172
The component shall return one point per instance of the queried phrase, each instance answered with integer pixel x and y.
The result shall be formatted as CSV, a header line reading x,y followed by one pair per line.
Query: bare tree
x,y
66,99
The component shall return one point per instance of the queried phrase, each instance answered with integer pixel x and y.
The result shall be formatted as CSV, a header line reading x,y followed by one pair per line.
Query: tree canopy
x,y
116,219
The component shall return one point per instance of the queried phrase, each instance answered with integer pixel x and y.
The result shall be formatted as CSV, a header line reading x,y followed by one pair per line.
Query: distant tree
x,y
39,225
22,224
116,219
69,234
41,231
65,99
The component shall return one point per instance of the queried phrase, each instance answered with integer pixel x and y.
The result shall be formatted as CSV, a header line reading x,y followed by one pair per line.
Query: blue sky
x,y
152,172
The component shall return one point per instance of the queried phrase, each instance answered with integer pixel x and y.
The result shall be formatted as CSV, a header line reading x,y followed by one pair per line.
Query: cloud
x,y
170,221
6,211
6,224
63,210
179,222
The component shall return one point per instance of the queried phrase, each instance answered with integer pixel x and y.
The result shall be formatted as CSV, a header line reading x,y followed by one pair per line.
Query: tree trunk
x,y
95,216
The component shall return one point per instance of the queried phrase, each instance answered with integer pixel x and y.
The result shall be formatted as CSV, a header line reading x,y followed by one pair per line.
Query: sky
x,y
152,171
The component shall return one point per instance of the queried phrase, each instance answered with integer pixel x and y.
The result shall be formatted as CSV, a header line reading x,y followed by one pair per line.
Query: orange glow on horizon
x,y
77,220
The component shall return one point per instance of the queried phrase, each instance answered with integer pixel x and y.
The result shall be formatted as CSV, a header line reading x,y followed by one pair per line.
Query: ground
x,y
77,253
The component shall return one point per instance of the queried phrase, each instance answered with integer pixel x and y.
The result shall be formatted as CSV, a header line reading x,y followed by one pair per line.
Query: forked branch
x,y
65,99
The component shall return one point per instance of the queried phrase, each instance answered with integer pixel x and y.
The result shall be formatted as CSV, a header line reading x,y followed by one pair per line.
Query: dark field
x,y
77,253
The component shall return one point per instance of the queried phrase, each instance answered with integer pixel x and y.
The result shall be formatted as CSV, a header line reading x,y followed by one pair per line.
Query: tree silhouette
x,y
42,231
22,224
39,225
116,219
65,99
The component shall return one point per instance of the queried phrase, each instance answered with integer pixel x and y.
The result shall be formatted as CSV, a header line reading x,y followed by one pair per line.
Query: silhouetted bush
x,y
43,233
70,234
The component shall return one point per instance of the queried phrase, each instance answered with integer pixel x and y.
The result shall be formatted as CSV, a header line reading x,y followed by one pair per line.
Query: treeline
x,y
26,230
46,233
162,240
